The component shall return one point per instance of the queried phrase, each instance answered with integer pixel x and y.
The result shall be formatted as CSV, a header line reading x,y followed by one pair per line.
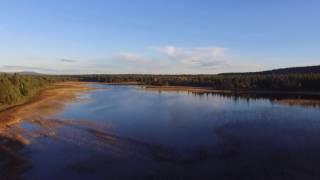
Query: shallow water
x,y
123,132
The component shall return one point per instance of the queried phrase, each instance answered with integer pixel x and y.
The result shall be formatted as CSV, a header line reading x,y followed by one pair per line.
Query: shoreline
x,y
211,90
62,92
53,95
123,83
199,89
309,99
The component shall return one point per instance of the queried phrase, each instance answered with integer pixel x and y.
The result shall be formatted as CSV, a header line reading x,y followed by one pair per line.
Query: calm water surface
x,y
123,132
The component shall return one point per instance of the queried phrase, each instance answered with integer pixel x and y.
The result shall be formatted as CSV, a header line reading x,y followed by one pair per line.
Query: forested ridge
x,y
288,79
290,82
283,71
15,88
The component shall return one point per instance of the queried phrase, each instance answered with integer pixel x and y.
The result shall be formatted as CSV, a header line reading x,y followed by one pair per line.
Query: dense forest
x,y
15,88
283,71
288,79
271,82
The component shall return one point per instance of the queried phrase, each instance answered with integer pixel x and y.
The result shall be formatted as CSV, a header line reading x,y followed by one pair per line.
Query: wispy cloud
x,y
159,60
175,60
68,60
197,56
129,57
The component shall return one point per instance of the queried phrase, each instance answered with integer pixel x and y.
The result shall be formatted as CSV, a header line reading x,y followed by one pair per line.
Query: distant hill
x,y
23,73
28,73
292,70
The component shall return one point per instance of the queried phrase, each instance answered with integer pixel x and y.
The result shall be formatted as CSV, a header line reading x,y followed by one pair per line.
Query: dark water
x,y
123,132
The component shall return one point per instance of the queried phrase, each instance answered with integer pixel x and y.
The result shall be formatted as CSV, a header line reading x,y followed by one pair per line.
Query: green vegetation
x,y
289,79
283,71
15,89
288,82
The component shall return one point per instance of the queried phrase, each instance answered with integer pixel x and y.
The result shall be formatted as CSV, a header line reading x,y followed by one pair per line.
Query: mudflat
x,y
49,99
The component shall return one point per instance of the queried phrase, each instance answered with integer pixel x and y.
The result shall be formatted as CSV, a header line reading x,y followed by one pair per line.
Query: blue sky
x,y
157,36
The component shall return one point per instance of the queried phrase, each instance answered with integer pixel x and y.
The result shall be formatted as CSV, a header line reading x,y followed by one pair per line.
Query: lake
x,y
125,132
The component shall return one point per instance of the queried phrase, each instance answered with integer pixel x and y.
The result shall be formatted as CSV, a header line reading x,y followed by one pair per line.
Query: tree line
x,y
261,82
15,88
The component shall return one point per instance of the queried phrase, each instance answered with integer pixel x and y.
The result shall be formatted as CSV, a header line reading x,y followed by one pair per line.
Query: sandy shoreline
x,y
50,98
55,96
39,112
88,134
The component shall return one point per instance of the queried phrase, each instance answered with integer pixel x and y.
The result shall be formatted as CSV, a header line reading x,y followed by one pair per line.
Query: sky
x,y
157,36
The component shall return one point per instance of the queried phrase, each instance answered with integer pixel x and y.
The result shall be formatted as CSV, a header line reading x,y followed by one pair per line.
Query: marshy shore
x,y
49,98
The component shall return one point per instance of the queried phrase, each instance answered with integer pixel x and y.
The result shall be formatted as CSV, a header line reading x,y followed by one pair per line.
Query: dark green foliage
x,y
284,71
16,88
287,79
261,82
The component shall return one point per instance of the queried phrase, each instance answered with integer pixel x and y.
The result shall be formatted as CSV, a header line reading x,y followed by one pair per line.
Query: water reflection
x,y
307,100
269,150
12,161
34,121
127,133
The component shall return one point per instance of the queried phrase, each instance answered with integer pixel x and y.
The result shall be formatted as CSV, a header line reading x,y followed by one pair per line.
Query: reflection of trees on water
x,y
275,98
292,99
12,160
